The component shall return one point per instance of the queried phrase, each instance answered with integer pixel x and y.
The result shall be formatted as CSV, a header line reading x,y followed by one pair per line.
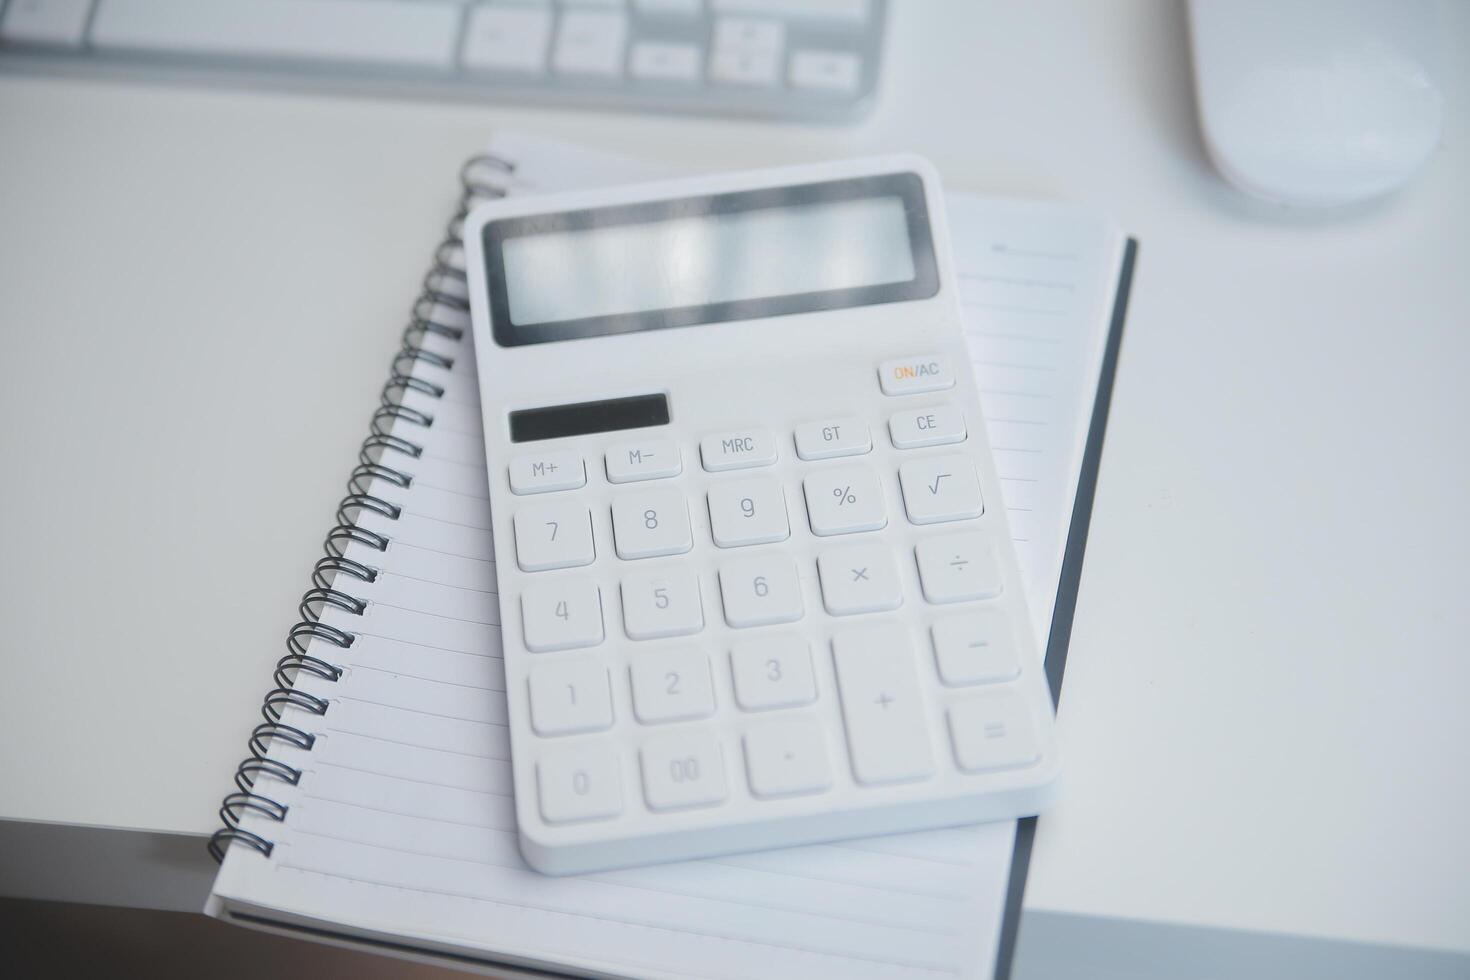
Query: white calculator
x,y
756,581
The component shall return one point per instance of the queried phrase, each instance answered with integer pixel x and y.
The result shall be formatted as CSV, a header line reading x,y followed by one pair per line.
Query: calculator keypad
x,y
671,686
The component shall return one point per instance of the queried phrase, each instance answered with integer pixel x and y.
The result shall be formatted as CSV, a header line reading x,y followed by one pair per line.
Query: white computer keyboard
x,y
756,583
815,59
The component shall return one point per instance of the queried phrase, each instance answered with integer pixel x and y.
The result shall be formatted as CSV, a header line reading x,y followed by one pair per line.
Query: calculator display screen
x,y
711,259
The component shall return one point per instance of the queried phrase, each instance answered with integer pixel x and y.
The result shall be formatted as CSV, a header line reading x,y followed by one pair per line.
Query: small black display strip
x,y
557,421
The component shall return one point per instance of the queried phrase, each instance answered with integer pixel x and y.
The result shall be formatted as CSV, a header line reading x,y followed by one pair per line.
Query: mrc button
x,y
911,375
737,450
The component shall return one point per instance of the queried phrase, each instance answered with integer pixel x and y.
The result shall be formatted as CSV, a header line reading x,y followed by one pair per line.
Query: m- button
x,y
652,459
737,450
913,375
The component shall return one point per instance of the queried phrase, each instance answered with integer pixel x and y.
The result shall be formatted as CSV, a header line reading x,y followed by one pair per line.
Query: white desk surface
x,y
1265,709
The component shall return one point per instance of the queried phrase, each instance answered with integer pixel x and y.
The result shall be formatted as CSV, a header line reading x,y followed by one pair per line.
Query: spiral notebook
x,y
374,807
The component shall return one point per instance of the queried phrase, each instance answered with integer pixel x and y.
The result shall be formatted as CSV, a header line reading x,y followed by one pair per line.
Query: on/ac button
x,y
912,375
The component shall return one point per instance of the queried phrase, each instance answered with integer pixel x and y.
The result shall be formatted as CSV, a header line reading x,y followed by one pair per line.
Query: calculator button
x,y
570,697
837,72
761,591
737,450
940,488
547,471
561,615
915,375
772,672
661,604
556,534
921,427
651,524
579,782
993,731
786,758
653,459
683,770
671,685
975,648
859,579
957,567
664,62
833,437
744,512
844,499
887,734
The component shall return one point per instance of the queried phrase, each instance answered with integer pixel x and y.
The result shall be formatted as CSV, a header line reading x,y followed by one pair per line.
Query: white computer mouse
x,y
1316,103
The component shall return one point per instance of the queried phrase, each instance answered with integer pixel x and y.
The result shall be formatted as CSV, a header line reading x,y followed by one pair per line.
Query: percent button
x,y
844,500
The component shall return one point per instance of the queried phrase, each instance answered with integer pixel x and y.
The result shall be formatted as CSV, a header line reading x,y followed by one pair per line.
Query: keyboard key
x,y
760,591
833,437
746,512
561,614
975,648
545,472
650,459
590,42
737,450
993,731
844,499
663,603
416,33
773,671
659,61
835,72
787,758
747,51
671,685
859,579
555,534
957,567
916,428
915,375
940,488
882,709
652,523
683,770
579,782
51,22
837,13
503,38
570,697
669,8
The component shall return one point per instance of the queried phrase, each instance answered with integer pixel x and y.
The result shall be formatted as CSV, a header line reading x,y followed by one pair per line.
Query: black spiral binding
x,y
444,286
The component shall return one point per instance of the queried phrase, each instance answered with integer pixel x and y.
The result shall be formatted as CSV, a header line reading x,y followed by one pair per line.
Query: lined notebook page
x,y
402,824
